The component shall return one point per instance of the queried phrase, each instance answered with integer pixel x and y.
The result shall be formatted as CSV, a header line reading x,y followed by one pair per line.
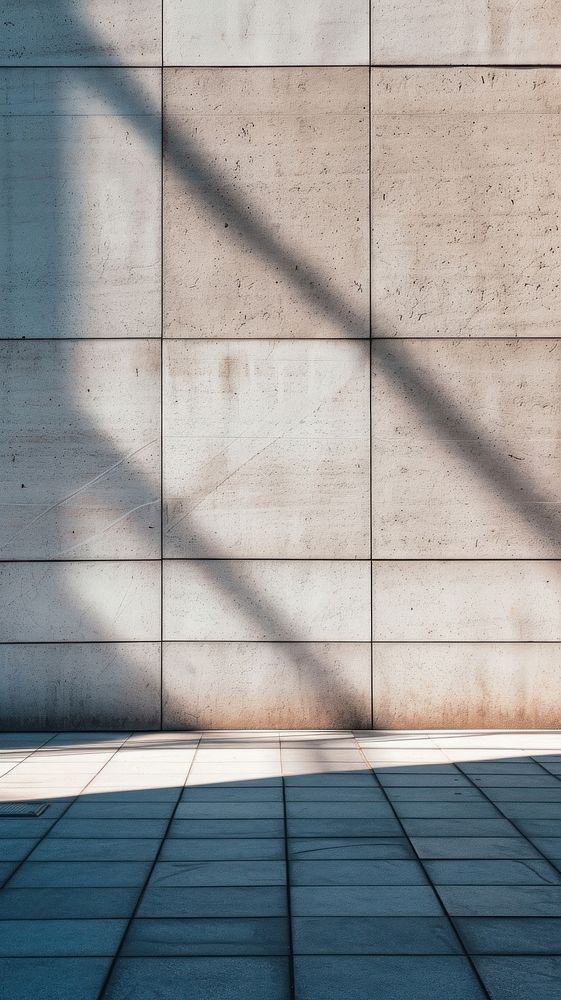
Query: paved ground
x,y
222,866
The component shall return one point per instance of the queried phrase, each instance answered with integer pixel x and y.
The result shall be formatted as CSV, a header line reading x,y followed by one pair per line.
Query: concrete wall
x,y
279,367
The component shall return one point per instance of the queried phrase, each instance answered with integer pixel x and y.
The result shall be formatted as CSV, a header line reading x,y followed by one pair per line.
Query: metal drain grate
x,y
22,808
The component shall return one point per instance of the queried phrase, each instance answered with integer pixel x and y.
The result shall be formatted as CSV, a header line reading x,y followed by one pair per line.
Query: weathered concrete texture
x,y
256,684
266,198
80,203
275,600
467,601
80,685
79,601
266,449
466,449
80,32
465,31
80,449
477,685
465,202
268,33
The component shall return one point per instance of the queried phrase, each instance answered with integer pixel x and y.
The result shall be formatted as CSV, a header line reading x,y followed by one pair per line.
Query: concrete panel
x,y
465,194
275,600
465,31
476,685
80,32
80,449
88,601
268,33
467,601
80,203
215,685
266,202
466,449
266,449
80,686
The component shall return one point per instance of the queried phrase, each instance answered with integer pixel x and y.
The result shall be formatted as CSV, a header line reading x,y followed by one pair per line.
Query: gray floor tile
x,y
459,828
223,849
344,827
246,901
388,977
7,869
113,828
374,936
345,872
365,901
514,794
220,873
97,849
226,828
81,874
352,848
510,935
66,904
336,779
238,936
539,827
535,780
502,900
188,809
89,938
521,978
512,765
550,846
406,779
200,979
533,811
134,795
493,872
52,978
448,793
474,847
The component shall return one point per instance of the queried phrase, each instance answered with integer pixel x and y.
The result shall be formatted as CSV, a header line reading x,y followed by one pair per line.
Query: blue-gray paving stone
x,y
339,810
226,828
52,978
120,810
312,793
513,765
521,978
474,847
408,779
356,873
498,827
97,849
420,770
7,869
513,794
223,849
539,827
223,793
365,901
502,900
67,904
352,848
214,901
445,810
135,795
533,811
200,979
387,977
235,936
221,873
188,809
114,828
16,849
504,780
510,935
350,827
550,846
13,828
374,936
81,874
447,793
26,938
493,872
332,779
